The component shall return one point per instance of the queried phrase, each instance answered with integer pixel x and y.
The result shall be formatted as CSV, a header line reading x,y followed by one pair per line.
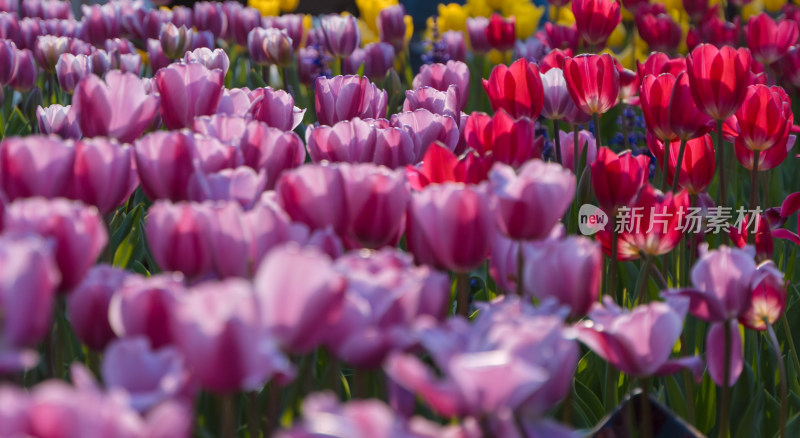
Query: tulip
x,y
427,128
225,316
718,355
269,227
392,26
440,165
556,101
592,81
696,9
29,278
586,142
768,159
789,66
438,102
628,85
658,63
769,40
255,45
764,117
509,141
175,41
126,63
768,298
477,31
740,232
638,342
697,165
500,32
58,120
376,58
234,102
35,166
101,22
516,89
16,404
272,150
617,178
143,24
242,184
88,304
48,49
659,31
275,108
344,97
448,211
441,76
78,232
117,106
134,306
225,128
26,72
301,321
216,59
176,236
8,65
530,202
155,55
562,37
277,47
188,91
292,24
669,110
715,76
341,34
314,195
554,59
209,16
103,174
347,141
596,19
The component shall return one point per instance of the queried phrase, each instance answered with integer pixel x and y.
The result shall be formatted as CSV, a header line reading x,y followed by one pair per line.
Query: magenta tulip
x,y
103,174
70,69
87,305
341,34
188,91
345,97
35,166
270,149
428,128
176,236
58,120
275,108
315,196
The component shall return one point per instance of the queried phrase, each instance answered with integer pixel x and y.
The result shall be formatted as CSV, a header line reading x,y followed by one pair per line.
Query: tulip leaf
x,y
125,228
706,405
594,407
675,396
751,417
257,79
793,426
16,125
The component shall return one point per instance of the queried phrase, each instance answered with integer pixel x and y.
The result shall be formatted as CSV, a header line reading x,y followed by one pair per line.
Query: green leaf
x,y
125,228
675,397
17,125
594,407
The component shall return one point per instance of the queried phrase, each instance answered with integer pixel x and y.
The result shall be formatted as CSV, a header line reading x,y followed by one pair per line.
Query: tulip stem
x,y
726,373
642,281
253,414
596,118
687,382
678,165
782,374
723,195
647,422
576,148
228,429
557,139
751,237
520,269
612,264
665,165
462,293
790,340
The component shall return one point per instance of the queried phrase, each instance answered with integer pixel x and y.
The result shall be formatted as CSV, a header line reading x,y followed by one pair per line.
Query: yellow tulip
x,y
774,5
479,8
289,5
452,16
752,9
528,17
266,7
618,36
565,16
367,35
409,28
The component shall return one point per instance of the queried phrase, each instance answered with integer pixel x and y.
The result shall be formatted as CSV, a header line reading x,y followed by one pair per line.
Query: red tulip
x,y
658,63
617,178
516,89
509,141
769,40
697,167
763,236
554,59
562,37
768,159
500,32
596,19
718,79
767,300
440,165
660,32
764,118
696,9
592,81
669,109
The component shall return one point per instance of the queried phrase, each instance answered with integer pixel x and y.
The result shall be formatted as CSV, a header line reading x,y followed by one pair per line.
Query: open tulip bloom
x,y
510,219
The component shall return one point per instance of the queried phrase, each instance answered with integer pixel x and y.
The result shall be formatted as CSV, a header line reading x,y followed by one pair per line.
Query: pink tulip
x,y
586,145
266,226
29,279
242,184
87,305
439,217
557,100
230,237
228,129
315,196
216,59
14,405
234,102
357,141
529,203
58,120
147,376
270,149
638,342
275,108
101,22
155,55
188,91
209,16
503,262
299,321
376,58
176,236
345,97
26,74
441,76
103,174
77,230
35,166
47,49
428,128
70,69
341,34
145,306
438,102
116,107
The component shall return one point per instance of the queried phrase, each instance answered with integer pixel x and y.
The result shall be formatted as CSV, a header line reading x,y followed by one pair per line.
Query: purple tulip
x,y
269,227
101,62
292,24
275,108
299,321
26,72
29,279
715,353
532,49
242,184
36,165
476,31
143,24
78,231
244,21
216,327
441,76
9,28
392,26
175,41
176,236
387,297
444,103
277,47
164,161
117,106
230,237
155,55
454,45
103,174
8,61
377,58
46,9
30,30
9,6
344,97
88,304
48,49
120,45
216,59
70,69
188,91
341,34
503,262
208,16
126,62
557,100
58,120
356,141
315,196
586,145
147,376
145,306
428,128
101,22
271,149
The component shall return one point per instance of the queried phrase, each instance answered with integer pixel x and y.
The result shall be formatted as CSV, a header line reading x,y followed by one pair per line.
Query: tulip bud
x,y
87,305
477,32
8,64
175,42
392,26
500,32
70,69
341,34
58,120
48,49
211,59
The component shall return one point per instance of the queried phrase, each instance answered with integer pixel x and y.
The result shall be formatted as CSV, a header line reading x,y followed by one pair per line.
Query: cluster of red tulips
x,y
556,247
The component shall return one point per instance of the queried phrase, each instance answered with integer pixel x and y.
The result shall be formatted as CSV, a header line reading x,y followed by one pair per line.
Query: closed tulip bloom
x,y
438,217
376,58
88,304
175,41
216,59
177,237
392,26
275,108
347,141
103,174
143,23
763,117
243,185
556,100
78,231
231,237
70,69
216,327
345,97
37,165
117,106
669,109
596,19
562,37
586,145
145,306
427,128
508,141
789,66
715,76
530,202
433,100
269,227
592,81
255,45
314,195
477,33
155,55
270,149
638,342
26,72
29,280
769,40
617,178
58,120
226,128
8,65
341,34
554,59
697,168
101,22
209,16
659,31
442,76
188,91
48,49
440,165
658,63
516,89
768,159
300,321
277,47
768,298
500,32
569,270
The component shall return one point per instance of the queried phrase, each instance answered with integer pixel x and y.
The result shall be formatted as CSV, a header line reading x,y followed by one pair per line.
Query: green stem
x,y
253,414
642,281
688,384
462,293
725,399
790,340
576,158
612,264
596,118
751,236
611,387
723,195
678,165
782,371
557,139
665,165
228,427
